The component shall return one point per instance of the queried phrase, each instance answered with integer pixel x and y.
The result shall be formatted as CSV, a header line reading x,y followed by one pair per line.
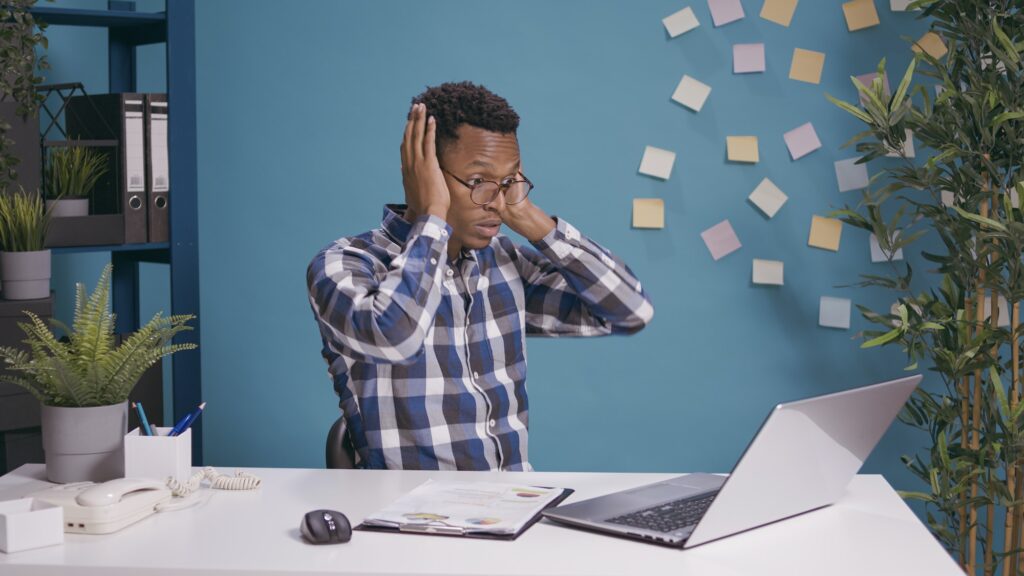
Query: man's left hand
x,y
527,220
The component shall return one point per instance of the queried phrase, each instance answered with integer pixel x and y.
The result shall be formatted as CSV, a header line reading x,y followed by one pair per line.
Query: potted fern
x,y
71,174
24,262
83,381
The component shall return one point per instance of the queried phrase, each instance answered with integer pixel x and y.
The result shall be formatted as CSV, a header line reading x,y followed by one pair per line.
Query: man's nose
x,y
498,204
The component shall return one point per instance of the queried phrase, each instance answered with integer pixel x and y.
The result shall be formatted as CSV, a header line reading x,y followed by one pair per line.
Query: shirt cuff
x,y
432,227
560,242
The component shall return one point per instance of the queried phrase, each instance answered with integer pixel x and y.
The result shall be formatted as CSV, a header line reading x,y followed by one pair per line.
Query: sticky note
x,y
807,65
860,14
948,198
851,176
747,58
825,233
778,11
932,44
648,213
1004,310
879,255
657,162
908,146
768,197
681,22
801,141
725,11
899,5
721,240
691,93
742,148
834,312
768,272
867,79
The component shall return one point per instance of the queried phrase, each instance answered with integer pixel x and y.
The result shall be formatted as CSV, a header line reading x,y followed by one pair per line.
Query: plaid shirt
x,y
428,357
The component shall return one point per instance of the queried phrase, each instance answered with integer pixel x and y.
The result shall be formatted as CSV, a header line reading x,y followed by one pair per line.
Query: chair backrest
x,y
340,453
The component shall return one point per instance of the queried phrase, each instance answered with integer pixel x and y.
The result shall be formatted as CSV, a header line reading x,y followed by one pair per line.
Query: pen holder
x,y
158,457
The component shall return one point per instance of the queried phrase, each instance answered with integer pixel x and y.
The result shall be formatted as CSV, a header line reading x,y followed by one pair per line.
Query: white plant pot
x,y
66,207
26,275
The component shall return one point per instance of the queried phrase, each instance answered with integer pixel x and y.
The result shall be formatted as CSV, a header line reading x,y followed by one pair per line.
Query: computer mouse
x,y
325,527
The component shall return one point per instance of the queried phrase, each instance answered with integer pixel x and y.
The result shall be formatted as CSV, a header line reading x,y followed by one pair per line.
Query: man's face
x,y
477,155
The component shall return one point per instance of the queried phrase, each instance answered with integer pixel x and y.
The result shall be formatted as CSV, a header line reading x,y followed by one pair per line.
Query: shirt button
x,y
433,260
476,374
444,232
449,272
493,423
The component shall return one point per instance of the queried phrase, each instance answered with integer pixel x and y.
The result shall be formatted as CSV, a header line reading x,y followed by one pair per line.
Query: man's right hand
x,y
426,191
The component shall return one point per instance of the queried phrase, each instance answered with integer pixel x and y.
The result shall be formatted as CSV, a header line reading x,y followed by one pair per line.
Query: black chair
x,y
340,453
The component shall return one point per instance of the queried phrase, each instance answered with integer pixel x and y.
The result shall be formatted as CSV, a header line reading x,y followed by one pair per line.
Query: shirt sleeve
x,y
574,287
373,316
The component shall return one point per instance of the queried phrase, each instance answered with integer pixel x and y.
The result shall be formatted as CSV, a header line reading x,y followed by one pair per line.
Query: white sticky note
x,y
1004,310
725,11
834,312
747,58
691,93
899,5
721,240
948,198
657,162
681,22
768,272
908,146
879,255
768,197
801,141
850,175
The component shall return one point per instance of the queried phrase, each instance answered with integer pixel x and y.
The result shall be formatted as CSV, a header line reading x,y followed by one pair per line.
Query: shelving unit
x,y
127,30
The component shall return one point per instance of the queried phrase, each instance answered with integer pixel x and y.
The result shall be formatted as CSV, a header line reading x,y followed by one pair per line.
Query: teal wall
x,y
301,107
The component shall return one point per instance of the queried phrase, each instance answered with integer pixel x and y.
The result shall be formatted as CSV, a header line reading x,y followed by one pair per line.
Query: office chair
x,y
340,453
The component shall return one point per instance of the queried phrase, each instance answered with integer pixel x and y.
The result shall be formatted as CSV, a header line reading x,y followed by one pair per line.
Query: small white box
x,y
28,523
158,457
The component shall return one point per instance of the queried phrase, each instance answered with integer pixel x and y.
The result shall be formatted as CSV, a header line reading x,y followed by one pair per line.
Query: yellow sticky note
x,y
807,66
742,148
648,213
932,44
779,11
860,14
825,233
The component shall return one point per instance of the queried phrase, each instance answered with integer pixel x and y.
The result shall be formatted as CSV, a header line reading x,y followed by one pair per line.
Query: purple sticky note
x,y
867,79
721,240
747,58
801,141
725,11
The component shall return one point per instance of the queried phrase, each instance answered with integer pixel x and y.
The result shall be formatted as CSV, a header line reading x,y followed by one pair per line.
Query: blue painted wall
x,y
300,111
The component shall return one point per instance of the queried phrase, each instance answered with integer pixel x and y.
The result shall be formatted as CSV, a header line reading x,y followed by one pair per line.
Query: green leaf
x,y
901,91
980,219
856,112
887,337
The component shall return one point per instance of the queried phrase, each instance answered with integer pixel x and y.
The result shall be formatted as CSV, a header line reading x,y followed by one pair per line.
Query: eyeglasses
x,y
483,192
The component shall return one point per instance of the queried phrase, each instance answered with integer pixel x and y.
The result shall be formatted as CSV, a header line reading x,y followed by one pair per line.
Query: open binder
x,y
492,510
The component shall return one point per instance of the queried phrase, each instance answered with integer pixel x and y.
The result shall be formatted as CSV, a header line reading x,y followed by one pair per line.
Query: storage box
x,y
28,523
158,457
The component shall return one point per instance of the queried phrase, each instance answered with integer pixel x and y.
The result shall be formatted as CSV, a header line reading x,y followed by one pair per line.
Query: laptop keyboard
x,y
668,516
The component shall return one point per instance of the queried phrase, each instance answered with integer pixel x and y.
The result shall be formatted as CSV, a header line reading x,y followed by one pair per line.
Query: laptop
x,y
801,459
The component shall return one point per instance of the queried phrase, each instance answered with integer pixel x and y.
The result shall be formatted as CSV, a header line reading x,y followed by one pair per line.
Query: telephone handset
x,y
108,507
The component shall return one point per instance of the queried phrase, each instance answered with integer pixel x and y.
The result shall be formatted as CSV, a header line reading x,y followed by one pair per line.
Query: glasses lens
x,y
484,193
516,193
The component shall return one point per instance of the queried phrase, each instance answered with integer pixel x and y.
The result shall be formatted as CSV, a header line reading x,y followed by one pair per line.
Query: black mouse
x,y
326,527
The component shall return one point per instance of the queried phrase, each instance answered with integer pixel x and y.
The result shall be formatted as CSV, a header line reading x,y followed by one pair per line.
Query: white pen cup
x,y
158,457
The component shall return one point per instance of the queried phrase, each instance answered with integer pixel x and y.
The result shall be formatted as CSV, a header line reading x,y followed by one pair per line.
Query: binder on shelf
x,y
158,175
123,191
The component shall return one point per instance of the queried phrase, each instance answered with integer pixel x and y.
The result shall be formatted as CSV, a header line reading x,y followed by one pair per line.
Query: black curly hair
x,y
455,103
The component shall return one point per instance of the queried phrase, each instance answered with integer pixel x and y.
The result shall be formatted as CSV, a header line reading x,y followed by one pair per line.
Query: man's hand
x,y
526,218
425,189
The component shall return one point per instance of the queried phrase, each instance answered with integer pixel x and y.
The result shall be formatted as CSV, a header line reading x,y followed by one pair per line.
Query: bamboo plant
x,y
20,37
73,171
89,367
961,207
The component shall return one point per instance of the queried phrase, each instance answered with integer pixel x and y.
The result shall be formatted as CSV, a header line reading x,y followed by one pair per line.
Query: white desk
x,y
871,532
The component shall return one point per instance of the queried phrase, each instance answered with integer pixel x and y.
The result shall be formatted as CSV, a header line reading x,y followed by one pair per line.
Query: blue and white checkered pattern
x,y
429,358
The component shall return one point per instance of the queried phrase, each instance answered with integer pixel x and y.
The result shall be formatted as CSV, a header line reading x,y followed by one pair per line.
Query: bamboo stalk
x,y
980,295
965,419
1013,477
990,511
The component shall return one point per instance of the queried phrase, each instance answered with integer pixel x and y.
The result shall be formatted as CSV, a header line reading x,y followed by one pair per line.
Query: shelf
x,y
134,28
150,246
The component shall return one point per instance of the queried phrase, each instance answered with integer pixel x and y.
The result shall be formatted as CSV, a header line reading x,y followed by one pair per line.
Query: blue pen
x,y
143,422
187,420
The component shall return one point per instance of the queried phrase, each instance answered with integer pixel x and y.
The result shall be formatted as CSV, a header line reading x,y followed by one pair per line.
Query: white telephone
x,y
108,507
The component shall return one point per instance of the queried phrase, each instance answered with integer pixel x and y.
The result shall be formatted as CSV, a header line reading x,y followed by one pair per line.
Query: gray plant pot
x,y
26,275
67,207
84,444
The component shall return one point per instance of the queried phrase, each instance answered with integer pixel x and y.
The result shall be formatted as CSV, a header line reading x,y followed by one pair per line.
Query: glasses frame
x,y
501,187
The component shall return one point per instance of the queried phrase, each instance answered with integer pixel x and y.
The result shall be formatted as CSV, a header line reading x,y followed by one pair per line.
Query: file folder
x,y
120,117
158,176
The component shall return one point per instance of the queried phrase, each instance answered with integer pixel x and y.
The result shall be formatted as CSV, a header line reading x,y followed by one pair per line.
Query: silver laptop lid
x,y
803,457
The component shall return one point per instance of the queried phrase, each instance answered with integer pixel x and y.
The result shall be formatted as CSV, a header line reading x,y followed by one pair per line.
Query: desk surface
x,y
870,531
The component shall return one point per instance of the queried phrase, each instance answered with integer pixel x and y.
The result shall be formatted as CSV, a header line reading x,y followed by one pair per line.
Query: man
x,y
423,319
